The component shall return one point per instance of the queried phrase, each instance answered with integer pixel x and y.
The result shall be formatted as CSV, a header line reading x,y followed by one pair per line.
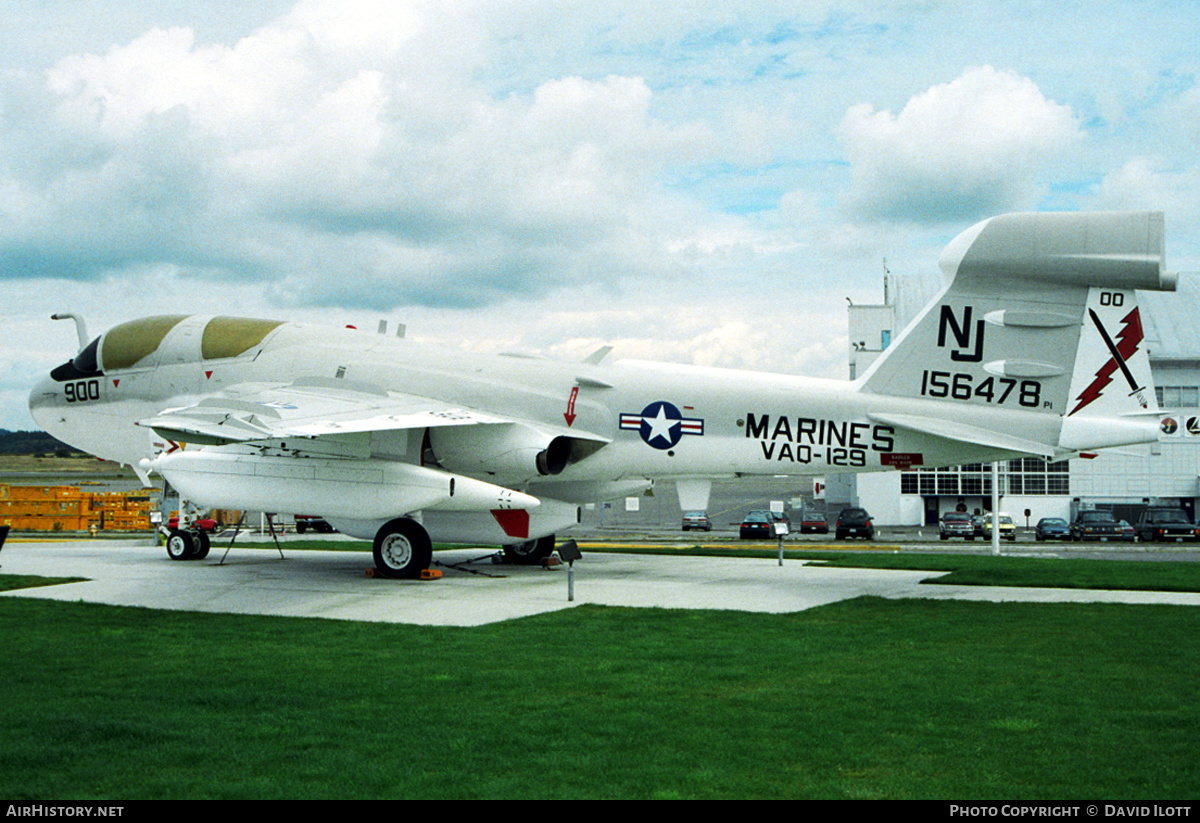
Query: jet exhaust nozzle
x,y
555,457
508,453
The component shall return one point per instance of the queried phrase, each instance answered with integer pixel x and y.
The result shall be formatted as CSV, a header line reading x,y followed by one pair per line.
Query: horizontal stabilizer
x,y
962,433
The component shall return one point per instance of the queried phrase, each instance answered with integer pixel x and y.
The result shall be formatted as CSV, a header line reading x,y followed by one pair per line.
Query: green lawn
x,y
863,699
1051,572
980,569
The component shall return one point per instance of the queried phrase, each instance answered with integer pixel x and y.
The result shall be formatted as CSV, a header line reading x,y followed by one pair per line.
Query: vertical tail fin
x,y
1039,314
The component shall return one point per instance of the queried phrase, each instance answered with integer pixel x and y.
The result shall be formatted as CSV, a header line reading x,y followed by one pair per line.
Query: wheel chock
x,y
426,574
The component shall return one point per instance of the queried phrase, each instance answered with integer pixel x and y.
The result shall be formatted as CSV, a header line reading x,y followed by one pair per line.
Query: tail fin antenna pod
x,y
1039,314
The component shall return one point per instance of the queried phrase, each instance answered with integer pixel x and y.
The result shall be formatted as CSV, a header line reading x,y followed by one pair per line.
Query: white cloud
x,y
960,150
1145,183
345,148
693,184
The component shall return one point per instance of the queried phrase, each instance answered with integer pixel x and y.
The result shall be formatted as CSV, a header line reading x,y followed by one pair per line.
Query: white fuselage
x,y
717,423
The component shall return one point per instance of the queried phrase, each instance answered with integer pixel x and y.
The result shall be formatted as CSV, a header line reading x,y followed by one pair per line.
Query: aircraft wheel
x,y
180,545
402,549
202,546
529,553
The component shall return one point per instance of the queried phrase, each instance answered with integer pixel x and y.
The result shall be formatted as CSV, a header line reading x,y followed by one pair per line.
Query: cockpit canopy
x,y
131,345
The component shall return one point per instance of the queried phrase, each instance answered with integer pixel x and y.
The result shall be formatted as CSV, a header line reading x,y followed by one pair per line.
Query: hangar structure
x,y
1124,481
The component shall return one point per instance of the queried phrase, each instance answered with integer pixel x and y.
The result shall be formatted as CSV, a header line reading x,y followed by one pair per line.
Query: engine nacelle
x,y
509,453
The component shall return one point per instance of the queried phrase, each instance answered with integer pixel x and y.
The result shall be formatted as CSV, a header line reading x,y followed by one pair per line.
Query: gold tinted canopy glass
x,y
129,343
230,336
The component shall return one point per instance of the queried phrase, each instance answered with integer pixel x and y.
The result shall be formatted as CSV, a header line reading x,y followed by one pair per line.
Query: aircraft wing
x,y
309,408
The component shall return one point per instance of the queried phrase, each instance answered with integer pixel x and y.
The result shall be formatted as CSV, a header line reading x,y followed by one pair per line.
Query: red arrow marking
x,y
569,414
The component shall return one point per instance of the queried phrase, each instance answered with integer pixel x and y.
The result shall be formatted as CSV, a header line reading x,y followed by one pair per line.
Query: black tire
x,y
402,549
180,545
203,544
530,552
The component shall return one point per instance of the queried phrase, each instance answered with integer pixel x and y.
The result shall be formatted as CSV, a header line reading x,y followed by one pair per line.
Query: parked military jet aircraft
x,y
1034,347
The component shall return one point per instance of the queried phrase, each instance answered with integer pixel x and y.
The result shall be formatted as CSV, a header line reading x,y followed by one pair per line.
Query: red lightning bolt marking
x,y
1130,336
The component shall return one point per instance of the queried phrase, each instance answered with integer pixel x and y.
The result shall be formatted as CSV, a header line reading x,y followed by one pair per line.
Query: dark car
x,y
1128,533
1095,525
757,524
977,522
813,522
304,522
774,517
1052,528
1166,523
956,524
696,520
854,523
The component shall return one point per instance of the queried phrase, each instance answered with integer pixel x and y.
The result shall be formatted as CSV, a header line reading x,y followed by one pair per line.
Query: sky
x,y
700,182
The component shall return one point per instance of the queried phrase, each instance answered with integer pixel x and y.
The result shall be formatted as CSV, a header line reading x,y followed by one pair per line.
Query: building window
x,y
1178,397
1024,475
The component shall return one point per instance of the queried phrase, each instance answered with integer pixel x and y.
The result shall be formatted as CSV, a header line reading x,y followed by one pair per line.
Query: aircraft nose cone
x,y
43,403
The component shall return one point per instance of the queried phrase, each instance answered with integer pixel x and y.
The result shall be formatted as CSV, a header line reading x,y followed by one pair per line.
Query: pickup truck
x,y
1095,525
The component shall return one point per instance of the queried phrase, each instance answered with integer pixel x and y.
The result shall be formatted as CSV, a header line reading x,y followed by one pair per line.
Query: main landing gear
x,y
187,545
402,549
529,553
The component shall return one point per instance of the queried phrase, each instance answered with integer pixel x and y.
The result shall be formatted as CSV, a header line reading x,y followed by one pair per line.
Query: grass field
x,y
863,699
54,466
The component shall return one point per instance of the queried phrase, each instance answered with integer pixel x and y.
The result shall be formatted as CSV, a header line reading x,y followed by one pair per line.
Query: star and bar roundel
x,y
661,424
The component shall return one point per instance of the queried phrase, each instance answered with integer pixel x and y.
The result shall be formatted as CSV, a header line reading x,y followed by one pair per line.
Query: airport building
x,y
1124,481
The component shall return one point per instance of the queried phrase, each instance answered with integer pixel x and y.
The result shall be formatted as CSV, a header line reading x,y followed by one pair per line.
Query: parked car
x,y
774,517
1052,528
757,524
696,520
956,524
304,522
854,523
1008,529
1127,531
977,522
1095,524
1166,523
814,522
